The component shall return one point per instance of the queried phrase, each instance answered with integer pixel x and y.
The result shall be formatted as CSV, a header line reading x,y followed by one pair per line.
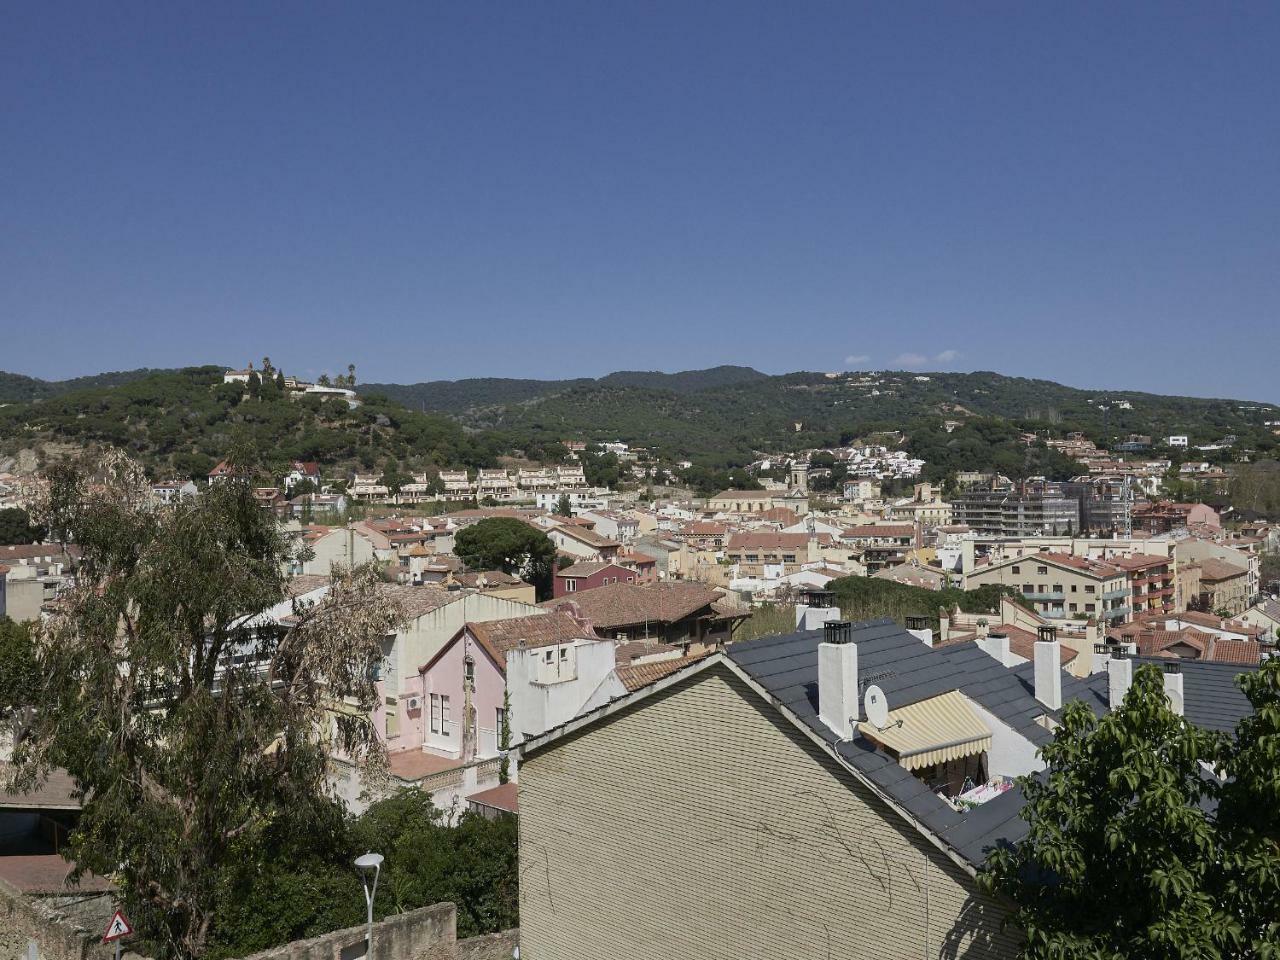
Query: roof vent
x,y
837,631
916,623
1046,633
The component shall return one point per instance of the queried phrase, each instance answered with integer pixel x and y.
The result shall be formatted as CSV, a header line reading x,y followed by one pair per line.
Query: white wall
x,y
1011,754
537,707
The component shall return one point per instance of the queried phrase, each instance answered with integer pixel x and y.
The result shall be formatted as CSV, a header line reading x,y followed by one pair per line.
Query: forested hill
x,y
462,397
723,416
184,421
14,387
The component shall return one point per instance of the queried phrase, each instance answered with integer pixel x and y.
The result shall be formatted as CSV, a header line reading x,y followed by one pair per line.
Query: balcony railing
x,y
1116,594
1050,595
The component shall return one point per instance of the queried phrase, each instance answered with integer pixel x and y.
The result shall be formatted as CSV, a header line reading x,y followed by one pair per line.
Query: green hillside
x,y
14,387
183,421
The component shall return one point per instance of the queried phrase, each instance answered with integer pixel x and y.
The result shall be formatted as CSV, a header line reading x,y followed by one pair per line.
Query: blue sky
x,y
1084,192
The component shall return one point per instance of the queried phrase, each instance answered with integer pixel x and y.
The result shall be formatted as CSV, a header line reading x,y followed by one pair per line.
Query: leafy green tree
x,y
216,727
393,478
1249,817
19,672
16,527
564,507
504,738
1122,859
509,545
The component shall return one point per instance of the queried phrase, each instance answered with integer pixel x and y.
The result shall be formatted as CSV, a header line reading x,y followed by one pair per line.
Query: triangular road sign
x,y
117,928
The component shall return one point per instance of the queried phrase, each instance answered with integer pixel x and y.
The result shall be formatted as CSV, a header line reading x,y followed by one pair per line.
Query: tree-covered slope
x,y
183,422
14,387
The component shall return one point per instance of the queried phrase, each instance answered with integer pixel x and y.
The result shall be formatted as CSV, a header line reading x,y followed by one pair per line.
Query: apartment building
x,y
1062,586
1017,512
765,553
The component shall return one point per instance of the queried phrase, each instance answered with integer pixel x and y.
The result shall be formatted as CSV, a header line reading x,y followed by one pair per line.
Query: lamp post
x,y
370,865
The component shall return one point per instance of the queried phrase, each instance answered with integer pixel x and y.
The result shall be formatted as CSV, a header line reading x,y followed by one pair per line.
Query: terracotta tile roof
x,y
880,530
1213,622
704,528
304,583
583,535
585,569
505,796
1139,562
624,653
415,764
637,675
767,540
625,604
539,630
418,601
1213,569
56,792
1237,651
45,874
488,578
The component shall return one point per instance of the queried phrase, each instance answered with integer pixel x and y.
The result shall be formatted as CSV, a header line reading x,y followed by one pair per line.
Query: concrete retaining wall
x,y
493,946
424,934
56,924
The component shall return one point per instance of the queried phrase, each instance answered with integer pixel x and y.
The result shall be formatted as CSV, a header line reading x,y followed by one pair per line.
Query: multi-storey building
x,y
1062,586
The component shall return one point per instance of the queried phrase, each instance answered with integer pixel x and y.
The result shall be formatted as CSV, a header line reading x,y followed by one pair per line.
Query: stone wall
x,y
58,925
424,934
61,926
493,946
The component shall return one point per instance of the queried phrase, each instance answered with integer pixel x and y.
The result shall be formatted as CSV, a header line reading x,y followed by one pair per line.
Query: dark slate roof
x,y
908,672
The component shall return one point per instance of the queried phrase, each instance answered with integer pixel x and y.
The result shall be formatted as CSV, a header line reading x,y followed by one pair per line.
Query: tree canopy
x,y
510,545
16,527
192,724
1135,850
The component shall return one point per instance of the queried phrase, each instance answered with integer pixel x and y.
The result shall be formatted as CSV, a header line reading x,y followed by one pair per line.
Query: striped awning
x,y
931,731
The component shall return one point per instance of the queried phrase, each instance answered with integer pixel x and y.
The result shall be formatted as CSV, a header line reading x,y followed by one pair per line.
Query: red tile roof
x,y
637,675
505,796
626,604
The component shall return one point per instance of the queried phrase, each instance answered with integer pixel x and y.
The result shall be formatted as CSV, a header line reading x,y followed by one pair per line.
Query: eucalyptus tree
x,y
190,691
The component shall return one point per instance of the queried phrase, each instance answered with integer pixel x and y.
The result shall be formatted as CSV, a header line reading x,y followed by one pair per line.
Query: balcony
x,y
1116,594
1051,595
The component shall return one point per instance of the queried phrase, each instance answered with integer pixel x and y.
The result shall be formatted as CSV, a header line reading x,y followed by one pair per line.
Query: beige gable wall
x,y
700,825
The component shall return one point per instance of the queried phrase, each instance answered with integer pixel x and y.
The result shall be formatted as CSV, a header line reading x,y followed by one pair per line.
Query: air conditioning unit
x,y
414,703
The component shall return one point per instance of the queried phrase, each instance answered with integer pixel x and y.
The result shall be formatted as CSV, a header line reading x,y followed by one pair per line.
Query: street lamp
x,y
369,865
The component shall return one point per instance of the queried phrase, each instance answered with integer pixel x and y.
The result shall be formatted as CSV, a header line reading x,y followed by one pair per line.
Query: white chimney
x,y
838,702
1120,679
1101,657
1048,672
996,646
1173,688
918,627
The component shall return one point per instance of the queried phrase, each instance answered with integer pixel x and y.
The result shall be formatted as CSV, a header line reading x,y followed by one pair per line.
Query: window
x,y
564,654
788,558
500,717
1090,588
1017,570
435,713
549,656
1057,588
1090,607
752,558
469,670
1042,571
570,585
1073,588
444,716
1028,588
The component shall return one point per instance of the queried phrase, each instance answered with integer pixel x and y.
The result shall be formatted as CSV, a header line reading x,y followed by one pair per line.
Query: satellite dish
x,y
876,707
